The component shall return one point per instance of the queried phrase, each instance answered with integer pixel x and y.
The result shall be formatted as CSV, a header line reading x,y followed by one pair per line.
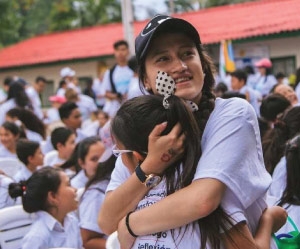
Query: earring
x,y
147,88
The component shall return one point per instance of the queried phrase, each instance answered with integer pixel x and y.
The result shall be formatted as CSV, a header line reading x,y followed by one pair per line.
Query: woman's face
x,y
177,55
91,160
7,138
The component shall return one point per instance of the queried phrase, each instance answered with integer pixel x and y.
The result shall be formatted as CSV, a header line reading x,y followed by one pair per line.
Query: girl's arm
x,y
240,236
92,240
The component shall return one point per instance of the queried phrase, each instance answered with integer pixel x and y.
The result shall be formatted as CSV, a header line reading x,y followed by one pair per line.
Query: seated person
x,y
30,154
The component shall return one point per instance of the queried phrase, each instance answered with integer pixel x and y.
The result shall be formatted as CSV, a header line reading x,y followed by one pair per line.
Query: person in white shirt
x,y
34,93
34,128
238,83
94,128
63,141
116,80
48,193
224,170
265,81
134,88
30,154
10,133
85,103
99,90
16,97
5,199
68,75
52,114
290,196
89,152
90,204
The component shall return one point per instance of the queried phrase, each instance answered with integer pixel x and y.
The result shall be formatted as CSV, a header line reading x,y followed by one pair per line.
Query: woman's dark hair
x,y
17,92
103,172
34,191
26,148
84,146
29,119
291,194
132,125
14,129
274,141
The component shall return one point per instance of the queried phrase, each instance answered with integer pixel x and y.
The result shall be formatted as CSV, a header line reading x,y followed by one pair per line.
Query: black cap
x,y
162,22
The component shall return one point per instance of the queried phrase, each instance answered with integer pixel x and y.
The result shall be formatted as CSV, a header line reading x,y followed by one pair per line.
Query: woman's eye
x,y
163,58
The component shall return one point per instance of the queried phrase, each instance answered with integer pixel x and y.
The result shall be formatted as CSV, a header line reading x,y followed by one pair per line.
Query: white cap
x,y
66,71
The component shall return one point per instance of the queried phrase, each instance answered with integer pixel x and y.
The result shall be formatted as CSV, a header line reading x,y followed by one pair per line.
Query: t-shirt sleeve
x,y
231,152
119,175
106,81
89,208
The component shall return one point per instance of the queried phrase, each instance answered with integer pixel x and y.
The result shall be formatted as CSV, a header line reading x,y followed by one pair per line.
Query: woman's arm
x,y
92,240
193,202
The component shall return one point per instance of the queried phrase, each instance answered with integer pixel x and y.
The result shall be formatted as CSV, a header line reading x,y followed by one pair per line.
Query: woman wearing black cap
x,y
230,171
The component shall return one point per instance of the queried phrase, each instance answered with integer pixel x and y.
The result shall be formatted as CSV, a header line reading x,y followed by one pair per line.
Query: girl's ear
x,y
139,157
80,162
51,198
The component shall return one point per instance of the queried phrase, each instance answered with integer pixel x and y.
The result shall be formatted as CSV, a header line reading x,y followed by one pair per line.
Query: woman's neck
x,y
60,217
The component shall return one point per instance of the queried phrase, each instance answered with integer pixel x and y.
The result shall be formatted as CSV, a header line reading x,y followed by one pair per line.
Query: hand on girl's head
x,y
164,150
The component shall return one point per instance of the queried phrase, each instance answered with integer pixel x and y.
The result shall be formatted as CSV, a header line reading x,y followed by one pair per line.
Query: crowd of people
x,y
156,150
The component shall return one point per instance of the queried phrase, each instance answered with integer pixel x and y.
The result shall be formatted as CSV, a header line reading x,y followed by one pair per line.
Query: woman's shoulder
x,y
231,106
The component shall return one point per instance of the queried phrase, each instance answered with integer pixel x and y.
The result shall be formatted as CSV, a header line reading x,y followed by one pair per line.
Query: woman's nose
x,y
178,66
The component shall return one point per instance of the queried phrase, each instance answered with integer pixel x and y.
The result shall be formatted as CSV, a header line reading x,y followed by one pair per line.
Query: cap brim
x,y
176,25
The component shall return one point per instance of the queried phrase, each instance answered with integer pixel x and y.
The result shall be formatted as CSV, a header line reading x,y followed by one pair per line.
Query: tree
x,y
9,22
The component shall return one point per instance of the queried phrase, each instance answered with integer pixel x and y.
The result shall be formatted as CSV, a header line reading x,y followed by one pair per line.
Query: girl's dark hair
x,y
72,161
275,139
14,129
103,172
84,146
17,92
34,191
29,119
26,148
291,194
136,119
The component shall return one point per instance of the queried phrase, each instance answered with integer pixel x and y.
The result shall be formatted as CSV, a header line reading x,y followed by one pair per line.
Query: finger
x,y
176,130
158,129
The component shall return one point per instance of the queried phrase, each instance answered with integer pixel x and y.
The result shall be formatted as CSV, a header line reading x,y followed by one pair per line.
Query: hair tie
x,y
23,187
165,86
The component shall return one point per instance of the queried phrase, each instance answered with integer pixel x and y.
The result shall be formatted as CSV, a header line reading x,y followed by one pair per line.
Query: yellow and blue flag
x,y
226,59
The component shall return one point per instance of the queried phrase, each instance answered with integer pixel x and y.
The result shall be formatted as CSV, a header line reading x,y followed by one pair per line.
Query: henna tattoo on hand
x,y
165,158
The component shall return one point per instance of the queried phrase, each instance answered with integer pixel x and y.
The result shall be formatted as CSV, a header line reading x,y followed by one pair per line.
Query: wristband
x,y
127,225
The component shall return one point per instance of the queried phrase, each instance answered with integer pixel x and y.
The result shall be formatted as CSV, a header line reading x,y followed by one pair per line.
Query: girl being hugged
x,y
225,165
48,193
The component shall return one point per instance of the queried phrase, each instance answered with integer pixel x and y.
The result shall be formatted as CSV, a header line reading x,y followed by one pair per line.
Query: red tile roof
x,y
237,21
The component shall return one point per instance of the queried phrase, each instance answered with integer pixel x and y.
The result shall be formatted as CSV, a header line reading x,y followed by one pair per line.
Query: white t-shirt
x,y
5,199
264,84
52,115
134,88
99,90
36,101
252,97
5,107
86,106
90,204
121,78
47,232
229,155
5,153
23,174
278,184
79,180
